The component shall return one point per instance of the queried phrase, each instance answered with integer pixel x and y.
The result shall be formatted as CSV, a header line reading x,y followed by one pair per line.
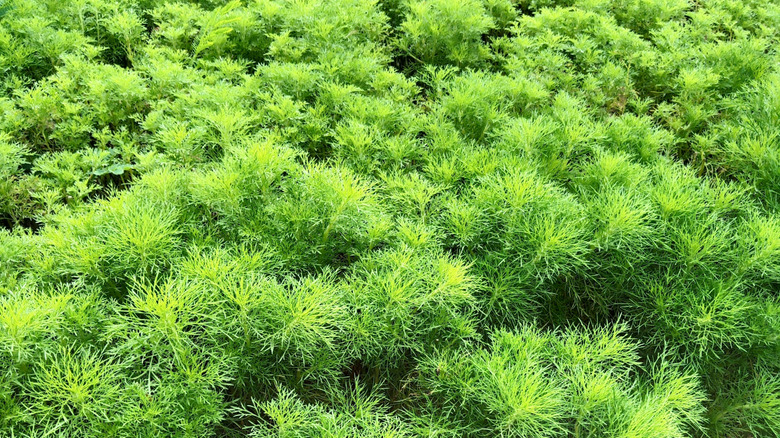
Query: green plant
x,y
389,218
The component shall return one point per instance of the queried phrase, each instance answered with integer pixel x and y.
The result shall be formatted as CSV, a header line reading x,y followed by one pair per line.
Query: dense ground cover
x,y
389,218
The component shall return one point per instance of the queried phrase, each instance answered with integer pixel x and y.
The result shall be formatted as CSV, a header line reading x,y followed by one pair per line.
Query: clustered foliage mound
x,y
390,218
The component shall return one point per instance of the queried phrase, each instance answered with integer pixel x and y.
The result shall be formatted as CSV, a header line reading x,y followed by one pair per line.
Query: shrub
x,y
440,32
389,218
548,384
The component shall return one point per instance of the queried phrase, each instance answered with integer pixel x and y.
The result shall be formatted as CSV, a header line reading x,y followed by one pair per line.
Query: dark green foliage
x,y
390,218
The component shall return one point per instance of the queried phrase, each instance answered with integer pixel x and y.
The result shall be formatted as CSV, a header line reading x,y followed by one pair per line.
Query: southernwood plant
x,y
390,218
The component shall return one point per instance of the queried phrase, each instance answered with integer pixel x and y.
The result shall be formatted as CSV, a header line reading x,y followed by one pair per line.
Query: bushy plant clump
x,y
389,218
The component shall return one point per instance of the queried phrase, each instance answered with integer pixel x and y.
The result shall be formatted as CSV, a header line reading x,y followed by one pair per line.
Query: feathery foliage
x,y
389,218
